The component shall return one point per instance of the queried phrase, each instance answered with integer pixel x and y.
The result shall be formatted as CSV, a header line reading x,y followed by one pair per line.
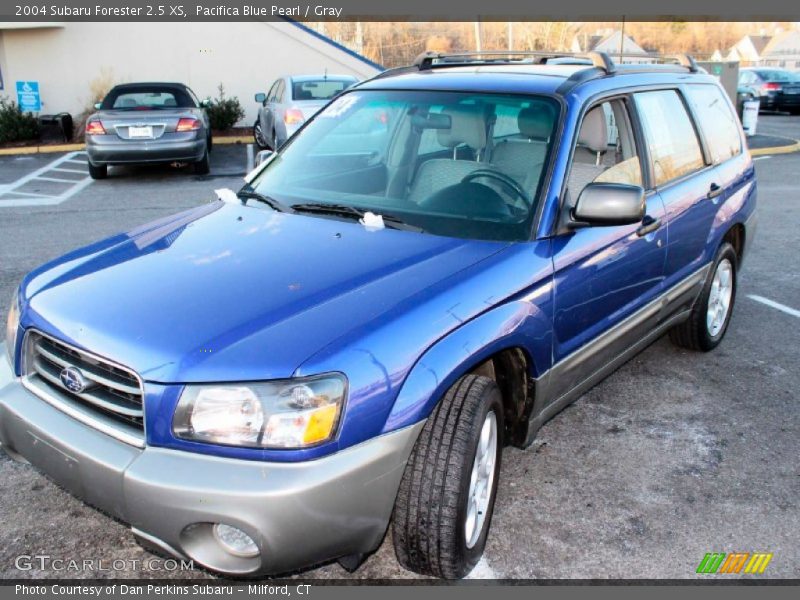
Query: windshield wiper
x,y
351,212
274,204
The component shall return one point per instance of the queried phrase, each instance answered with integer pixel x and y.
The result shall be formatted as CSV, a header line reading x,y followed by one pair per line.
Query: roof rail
x,y
428,60
684,60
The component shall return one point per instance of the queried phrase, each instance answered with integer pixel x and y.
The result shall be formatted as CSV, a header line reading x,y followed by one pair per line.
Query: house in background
x,y
748,50
611,41
783,50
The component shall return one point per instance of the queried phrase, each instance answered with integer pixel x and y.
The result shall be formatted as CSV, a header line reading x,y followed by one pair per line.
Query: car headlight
x,y
12,327
289,413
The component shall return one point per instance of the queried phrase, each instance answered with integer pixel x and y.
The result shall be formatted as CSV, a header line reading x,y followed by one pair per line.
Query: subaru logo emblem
x,y
72,379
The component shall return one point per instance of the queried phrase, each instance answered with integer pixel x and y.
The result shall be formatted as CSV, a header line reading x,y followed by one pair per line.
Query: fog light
x,y
235,541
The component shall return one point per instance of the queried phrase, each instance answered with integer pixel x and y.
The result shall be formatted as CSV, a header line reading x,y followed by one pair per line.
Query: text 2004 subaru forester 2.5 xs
x,y
438,262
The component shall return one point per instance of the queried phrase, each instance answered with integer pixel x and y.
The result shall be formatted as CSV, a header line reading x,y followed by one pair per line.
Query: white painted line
x,y
17,192
762,157
776,305
76,160
58,180
12,195
68,170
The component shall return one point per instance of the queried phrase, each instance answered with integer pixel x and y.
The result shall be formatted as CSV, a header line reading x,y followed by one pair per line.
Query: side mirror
x,y
97,105
262,156
205,103
609,204
261,97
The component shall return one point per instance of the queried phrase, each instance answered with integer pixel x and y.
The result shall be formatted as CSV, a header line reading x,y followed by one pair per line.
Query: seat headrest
x,y
467,126
127,103
170,102
594,131
536,121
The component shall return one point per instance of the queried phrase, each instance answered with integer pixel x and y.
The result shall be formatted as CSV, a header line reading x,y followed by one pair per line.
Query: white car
x,y
290,102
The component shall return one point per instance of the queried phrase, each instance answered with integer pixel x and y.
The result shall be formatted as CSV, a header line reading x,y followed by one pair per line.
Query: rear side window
x,y
322,89
717,121
671,139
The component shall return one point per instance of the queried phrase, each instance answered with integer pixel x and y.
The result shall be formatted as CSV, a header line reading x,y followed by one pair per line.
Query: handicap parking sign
x,y
28,96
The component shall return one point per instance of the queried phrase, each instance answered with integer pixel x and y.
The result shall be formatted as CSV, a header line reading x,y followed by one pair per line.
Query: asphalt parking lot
x,y
675,455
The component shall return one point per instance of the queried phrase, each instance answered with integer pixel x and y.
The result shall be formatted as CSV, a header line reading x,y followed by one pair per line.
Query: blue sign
x,y
28,96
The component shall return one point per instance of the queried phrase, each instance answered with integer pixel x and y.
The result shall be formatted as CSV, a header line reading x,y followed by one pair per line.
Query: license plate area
x,y
140,132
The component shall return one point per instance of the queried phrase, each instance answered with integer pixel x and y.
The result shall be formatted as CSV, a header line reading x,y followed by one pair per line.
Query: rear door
x,y
684,178
265,114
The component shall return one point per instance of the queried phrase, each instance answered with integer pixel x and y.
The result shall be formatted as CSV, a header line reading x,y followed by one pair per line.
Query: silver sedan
x,y
290,102
140,123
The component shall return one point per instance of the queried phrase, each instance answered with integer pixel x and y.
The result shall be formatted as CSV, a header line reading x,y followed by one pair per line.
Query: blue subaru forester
x,y
438,262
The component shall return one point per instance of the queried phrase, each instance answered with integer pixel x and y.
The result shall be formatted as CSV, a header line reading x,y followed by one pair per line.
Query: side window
x,y
717,121
606,149
671,138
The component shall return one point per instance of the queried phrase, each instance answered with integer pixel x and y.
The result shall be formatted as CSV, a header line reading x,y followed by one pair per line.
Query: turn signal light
x,y
95,128
188,124
293,116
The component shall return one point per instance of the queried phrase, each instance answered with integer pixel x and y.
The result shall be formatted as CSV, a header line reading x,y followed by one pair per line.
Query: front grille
x,y
107,389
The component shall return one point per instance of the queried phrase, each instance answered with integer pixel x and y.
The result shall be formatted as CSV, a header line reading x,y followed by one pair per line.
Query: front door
x,y
604,275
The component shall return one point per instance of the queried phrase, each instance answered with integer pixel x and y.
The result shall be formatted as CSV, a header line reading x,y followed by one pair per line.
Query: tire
x,y
429,528
701,331
202,166
258,136
98,171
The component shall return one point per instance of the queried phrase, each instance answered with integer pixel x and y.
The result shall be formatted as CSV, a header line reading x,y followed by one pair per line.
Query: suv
x,y
441,260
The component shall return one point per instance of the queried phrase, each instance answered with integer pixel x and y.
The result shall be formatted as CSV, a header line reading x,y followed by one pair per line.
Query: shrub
x,y
15,125
224,112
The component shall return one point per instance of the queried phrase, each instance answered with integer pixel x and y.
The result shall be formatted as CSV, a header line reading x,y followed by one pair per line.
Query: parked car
x,y
777,89
290,102
146,123
350,344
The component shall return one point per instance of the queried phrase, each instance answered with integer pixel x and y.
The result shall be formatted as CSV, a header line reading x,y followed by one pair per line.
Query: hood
x,y
227,292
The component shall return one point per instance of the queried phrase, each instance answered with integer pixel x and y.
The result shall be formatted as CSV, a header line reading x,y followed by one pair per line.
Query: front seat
x,y
467,127
592,145
523,159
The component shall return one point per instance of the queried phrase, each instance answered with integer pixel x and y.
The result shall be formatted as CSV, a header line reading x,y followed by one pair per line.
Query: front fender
x,y
525,323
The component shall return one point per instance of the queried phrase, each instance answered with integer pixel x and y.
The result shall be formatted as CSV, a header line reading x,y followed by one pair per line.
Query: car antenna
x,y
325,76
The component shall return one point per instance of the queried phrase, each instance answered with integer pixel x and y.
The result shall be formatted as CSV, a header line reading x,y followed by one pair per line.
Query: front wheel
x,y
258,136
446,498
712,312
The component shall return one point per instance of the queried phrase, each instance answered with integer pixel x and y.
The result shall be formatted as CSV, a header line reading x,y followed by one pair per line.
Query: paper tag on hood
x,y
372,221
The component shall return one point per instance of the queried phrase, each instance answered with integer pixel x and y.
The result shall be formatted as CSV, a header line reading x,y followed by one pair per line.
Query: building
x,y
748,50
612,42
71,59
783,50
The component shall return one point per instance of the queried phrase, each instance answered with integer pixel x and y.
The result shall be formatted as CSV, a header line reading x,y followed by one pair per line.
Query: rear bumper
x,y
115,151
299,514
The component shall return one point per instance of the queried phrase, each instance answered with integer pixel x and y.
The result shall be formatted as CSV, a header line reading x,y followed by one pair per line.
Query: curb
x,y
776,149
223,141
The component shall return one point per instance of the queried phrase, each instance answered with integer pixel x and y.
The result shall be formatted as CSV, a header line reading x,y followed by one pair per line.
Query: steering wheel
x,y
502,178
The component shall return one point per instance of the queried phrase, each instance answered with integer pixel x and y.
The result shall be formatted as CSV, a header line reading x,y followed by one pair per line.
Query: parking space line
x,y
58,180
762,157
68,170
10,196
776,305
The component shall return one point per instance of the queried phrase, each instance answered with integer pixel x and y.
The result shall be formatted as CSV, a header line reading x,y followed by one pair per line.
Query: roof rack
x,y
684,60
429,60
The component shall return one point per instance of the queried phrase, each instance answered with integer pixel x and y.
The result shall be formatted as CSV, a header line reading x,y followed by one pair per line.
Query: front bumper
x,y
171,147
299,514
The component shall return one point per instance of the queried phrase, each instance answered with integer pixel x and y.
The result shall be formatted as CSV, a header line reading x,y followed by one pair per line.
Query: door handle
x,y
649,224
714,191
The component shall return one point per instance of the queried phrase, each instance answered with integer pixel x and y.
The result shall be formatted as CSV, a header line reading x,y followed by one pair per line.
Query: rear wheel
x,y
98,171
446,497
712,312
202,166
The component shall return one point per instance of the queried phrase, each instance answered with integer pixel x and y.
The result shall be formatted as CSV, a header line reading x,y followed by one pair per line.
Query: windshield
x,y
447,163
147,98
320,89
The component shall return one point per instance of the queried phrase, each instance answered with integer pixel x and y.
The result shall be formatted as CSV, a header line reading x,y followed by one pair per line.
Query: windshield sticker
x,y
338,107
